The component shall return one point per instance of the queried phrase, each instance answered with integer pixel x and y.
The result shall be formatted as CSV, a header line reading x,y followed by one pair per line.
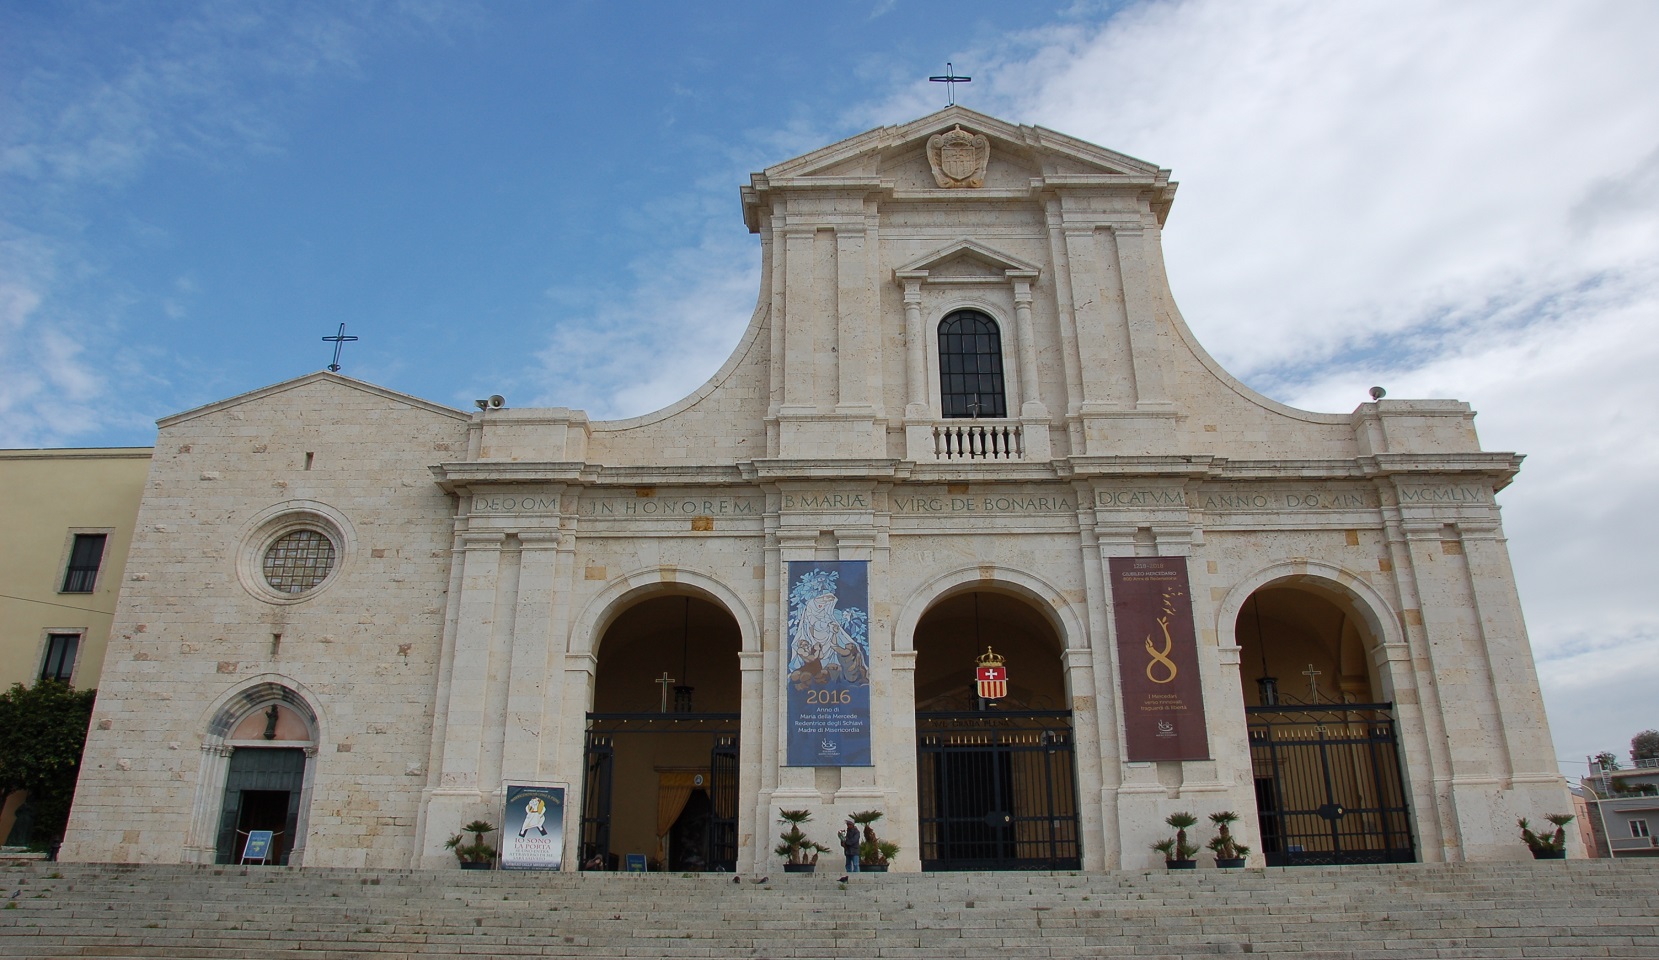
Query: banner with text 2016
x,y
828,678
1163,700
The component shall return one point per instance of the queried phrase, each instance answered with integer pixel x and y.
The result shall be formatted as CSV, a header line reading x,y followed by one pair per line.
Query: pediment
x,y
967,261
1046,151
328,381
1022,159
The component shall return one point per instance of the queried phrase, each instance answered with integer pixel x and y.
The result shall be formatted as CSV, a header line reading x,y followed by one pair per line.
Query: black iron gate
x,y
723,800
997,791
609,732
599,761
1329,788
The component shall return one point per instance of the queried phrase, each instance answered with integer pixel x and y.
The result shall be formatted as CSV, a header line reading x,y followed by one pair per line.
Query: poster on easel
x,y
532,831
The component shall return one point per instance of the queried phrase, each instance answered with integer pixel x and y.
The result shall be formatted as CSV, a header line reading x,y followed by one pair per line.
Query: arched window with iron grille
x,y
970,366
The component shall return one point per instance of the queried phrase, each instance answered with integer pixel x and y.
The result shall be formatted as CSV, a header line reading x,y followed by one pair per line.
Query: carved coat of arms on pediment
x,y
958,157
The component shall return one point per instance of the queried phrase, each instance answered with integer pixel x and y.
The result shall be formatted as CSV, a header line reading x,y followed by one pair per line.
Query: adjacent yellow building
x,y
65,526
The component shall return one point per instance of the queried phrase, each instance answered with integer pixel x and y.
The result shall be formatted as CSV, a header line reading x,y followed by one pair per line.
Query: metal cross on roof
x,y
339,340
950,80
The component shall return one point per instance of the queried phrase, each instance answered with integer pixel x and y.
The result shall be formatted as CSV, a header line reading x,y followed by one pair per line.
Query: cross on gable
x,y
339,340
950,80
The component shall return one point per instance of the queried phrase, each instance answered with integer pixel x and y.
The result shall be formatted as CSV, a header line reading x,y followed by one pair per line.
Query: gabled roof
x,y
901,137
310,378
1065,161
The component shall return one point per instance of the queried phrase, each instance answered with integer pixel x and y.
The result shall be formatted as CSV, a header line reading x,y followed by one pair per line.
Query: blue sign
x,y
828,692
635,863
258,846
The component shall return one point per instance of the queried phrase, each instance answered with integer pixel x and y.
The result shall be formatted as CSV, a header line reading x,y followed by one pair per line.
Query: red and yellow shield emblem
x,y
991,676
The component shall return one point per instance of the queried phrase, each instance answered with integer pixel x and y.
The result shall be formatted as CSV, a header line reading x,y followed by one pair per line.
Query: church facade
x,y
969,532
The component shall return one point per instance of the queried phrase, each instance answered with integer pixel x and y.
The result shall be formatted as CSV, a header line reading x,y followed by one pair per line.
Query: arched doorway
x,y
660,782
996,774
269,746
1323,741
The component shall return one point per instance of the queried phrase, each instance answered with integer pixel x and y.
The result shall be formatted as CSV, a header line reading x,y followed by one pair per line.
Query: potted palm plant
x,y
476,855
800,854
1547,845
874,854
1176,850
1229,853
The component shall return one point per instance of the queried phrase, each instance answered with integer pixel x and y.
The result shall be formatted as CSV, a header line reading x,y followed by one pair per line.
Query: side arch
x,y
1381,619
1384,770
603,607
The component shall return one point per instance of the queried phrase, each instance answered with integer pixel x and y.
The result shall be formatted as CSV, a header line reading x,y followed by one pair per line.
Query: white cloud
x,y
1446,199
660,340
91,113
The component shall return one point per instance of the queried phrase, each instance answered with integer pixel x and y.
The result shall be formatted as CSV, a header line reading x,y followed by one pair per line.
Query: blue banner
x,y
828,644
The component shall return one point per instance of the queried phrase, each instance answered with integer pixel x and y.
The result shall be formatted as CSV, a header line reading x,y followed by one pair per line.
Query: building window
x,y
298,561
84,558
970,366
1638,828
60,656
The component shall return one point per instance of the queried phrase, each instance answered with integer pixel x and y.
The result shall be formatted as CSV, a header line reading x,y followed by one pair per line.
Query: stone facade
x,y
482,560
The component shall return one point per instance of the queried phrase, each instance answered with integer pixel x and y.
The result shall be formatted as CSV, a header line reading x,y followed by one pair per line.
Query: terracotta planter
x,y
1181,864
1549,854
1229,863
798,867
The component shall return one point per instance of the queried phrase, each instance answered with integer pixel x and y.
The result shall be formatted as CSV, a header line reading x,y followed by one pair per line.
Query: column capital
x,y
483,539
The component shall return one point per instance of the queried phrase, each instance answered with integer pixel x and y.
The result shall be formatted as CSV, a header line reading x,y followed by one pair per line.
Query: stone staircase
x,y
1563,909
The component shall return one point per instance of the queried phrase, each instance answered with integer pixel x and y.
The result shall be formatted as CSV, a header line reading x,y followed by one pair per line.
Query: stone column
x,y
1138,306
530,696
470,663
202,842
901,695
915,357
799,374
853,329
1030,403
576,682
753,839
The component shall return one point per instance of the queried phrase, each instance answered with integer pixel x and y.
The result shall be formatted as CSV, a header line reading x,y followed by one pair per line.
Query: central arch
x,y
996,772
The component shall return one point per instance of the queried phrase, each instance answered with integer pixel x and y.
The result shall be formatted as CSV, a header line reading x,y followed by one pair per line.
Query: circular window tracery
x,y
298,561
292,551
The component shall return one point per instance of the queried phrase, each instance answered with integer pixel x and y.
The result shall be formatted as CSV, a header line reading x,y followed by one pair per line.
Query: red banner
x,y
1163,700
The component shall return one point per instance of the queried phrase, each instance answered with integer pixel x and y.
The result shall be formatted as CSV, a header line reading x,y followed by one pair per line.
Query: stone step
x,y
1572,909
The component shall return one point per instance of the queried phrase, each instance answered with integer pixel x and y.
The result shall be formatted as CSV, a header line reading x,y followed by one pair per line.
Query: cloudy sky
x,y
539,199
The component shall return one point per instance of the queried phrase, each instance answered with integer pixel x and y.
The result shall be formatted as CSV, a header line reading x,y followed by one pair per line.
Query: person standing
x,y
849,846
